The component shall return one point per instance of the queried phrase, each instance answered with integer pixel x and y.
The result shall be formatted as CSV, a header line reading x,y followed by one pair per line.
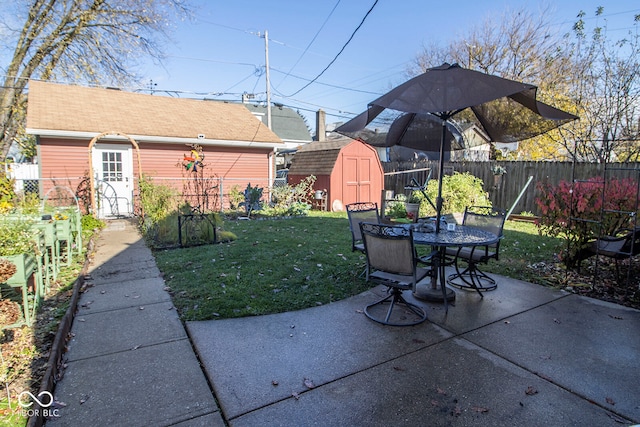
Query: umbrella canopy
x,y
506,110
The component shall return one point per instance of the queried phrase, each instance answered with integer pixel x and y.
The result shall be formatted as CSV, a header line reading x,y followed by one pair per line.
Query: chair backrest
x,y
389,248
485,218
358,213
626,244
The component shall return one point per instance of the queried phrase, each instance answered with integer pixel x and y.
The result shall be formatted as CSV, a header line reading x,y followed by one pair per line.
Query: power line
x,y
320,83
338,54
310,43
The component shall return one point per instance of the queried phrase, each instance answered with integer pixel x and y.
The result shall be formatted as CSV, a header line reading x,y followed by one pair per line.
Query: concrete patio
x,y
525,355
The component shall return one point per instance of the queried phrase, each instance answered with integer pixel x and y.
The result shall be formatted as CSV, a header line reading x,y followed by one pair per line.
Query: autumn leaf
x,y
530,391
457,411
610,401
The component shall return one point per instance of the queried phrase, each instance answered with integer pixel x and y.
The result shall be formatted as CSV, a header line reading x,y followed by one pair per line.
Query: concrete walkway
x,y
130,362
524,355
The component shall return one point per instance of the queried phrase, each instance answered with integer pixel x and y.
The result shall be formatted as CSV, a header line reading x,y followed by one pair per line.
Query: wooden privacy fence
x,y
504,191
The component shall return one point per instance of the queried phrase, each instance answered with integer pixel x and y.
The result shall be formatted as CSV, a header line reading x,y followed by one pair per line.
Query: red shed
x,y
349,170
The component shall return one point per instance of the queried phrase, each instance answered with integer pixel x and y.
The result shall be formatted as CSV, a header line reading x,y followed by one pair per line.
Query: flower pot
x,y
413,210
25,267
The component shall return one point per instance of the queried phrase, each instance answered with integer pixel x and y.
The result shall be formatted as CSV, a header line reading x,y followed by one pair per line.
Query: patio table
x,y
424,234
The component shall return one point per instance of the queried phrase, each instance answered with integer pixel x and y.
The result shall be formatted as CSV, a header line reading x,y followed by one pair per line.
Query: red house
x,y
120,135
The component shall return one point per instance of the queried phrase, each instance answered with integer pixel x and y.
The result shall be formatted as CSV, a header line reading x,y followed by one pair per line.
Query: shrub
x,y
90,223
236,196
458,191
583,211
158,201
17,237
28,203
290,200
396,208
7,194
252,199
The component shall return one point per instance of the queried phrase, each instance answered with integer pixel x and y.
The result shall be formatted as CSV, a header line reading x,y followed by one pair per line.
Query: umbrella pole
x,y
440,168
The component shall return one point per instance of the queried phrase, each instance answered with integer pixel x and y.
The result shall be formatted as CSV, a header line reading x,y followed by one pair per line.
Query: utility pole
x,y
266,55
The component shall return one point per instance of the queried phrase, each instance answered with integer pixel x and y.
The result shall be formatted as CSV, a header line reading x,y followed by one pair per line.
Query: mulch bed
x,y
598,278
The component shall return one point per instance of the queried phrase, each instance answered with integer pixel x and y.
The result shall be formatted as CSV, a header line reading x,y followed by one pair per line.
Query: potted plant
x,y
18,246
412,206
18,249
497,171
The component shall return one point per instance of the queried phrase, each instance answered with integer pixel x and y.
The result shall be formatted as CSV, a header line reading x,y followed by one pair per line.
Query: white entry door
x,y
113,170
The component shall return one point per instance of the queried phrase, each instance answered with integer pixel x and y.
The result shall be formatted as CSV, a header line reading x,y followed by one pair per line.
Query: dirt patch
x,y
597,278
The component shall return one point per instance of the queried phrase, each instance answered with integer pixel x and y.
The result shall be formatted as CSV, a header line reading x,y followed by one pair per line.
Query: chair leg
x,y
472,278
394,299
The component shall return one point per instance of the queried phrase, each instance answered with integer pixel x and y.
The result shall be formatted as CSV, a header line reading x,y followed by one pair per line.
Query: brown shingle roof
x,y
68,108
317,158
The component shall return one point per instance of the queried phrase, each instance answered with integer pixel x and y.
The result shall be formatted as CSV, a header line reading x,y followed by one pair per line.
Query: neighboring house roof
x,y
285,123
77,111
318,158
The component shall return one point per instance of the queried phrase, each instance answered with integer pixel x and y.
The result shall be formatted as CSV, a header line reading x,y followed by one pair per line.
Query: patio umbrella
x,y
410,114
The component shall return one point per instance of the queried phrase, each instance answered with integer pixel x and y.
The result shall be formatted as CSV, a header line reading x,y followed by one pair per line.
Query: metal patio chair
x,y
392,262
488,219
360,212
624,244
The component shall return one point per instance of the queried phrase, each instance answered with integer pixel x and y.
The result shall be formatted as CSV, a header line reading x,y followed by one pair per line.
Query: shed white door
x,y
113,170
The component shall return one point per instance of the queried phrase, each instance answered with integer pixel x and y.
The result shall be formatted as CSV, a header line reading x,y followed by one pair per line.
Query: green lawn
x,y
278,265
521,248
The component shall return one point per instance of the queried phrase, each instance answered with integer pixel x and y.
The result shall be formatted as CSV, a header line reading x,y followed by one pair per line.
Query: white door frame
x,y
113,172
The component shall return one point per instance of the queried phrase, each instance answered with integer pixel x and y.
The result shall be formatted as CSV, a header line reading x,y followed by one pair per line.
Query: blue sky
x,y
221,54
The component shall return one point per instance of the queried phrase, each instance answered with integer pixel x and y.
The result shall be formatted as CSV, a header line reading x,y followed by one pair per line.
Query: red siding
x,y
65,162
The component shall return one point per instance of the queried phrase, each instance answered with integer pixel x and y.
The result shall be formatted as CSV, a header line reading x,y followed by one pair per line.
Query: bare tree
x,y
519,46
91,41
606,91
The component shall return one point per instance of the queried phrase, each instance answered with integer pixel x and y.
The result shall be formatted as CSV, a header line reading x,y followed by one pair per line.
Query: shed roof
x,y
318,158
57,109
